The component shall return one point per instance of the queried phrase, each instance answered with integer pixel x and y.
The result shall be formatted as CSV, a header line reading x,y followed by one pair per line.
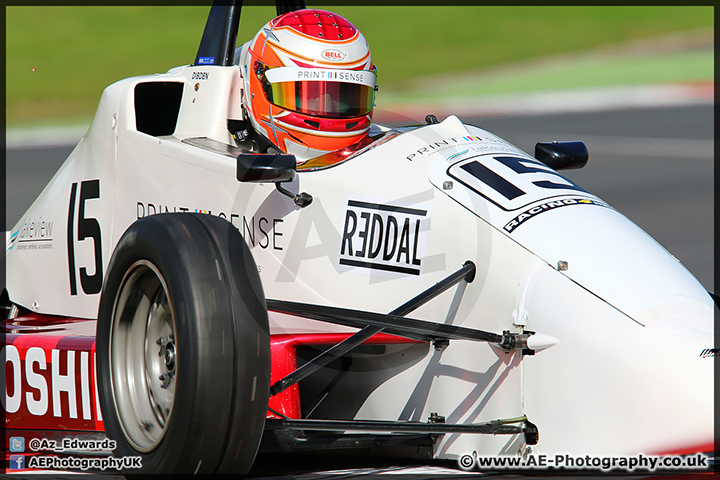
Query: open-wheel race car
x,y
197,297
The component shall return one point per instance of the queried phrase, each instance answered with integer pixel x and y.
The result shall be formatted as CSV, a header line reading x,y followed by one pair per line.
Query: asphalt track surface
x,y
655,165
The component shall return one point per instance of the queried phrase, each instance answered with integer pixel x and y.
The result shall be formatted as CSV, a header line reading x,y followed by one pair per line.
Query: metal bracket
x,y
301,199
513,341
397,324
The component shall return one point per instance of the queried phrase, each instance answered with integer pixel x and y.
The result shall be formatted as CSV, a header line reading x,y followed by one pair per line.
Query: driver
x,y
309,84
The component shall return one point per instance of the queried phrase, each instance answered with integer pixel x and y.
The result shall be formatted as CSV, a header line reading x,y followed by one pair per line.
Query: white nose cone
x,y
539,342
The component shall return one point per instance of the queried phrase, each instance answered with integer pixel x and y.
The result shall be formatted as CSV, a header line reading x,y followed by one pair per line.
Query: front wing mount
x,y
394,323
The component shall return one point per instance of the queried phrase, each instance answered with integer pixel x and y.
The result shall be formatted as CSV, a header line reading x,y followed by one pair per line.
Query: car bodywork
x,y
498,299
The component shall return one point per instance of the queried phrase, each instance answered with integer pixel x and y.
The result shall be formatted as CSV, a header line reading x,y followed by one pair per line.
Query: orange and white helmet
x,y
309,82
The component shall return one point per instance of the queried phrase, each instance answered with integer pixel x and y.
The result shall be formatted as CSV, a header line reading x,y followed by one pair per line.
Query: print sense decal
x,y
379,237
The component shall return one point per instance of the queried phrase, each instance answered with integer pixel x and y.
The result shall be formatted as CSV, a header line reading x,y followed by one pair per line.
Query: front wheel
x,y
183,347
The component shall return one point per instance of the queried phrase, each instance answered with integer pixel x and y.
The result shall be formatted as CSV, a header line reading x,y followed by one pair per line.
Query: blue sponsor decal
x,y
206,61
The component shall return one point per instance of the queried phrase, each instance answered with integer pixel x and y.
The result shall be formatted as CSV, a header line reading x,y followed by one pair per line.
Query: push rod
x,y
393,324
467,273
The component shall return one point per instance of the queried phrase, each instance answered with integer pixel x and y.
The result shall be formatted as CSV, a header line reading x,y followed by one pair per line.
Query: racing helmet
x,y
309,82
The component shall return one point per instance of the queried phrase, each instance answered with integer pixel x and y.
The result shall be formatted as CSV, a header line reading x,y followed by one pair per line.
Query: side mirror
x,y
261,168
562,155
264,168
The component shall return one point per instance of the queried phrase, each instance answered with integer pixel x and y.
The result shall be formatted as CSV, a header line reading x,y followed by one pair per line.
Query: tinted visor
x,y
322,98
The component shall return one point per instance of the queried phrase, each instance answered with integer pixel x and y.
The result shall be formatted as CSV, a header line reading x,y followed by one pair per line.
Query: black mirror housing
x,y
562,155
262,168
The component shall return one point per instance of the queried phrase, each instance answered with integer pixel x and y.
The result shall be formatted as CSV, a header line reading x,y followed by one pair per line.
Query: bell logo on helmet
x,y
333,55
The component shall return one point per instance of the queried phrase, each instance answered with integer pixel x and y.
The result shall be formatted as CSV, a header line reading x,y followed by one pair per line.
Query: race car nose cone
x,y
538,342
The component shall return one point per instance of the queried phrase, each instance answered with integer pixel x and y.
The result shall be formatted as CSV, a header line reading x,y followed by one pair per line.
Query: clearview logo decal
x,y
383,238
34,234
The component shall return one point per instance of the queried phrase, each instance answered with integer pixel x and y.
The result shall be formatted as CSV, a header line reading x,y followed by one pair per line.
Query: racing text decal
x,y
381,237
544,207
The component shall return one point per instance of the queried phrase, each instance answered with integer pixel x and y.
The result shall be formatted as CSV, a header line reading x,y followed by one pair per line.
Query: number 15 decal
x,y
511,182
86,228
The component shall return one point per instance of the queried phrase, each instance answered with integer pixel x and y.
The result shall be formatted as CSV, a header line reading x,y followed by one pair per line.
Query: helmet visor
x,y
325,93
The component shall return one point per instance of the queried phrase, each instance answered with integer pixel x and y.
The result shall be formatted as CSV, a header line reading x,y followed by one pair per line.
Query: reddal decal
x,y
378,237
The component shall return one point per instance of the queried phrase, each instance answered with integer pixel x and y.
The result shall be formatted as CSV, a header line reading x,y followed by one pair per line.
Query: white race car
x,y
431,287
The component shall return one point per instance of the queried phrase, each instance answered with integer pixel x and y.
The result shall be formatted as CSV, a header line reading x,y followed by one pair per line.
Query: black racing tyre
x,y
183,347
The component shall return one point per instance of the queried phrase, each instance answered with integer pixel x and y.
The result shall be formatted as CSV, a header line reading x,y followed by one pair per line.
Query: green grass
x,y
59,59
573,73
411,43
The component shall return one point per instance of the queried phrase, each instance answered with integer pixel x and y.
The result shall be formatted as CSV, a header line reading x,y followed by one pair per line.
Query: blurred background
x,y
635,83
60,58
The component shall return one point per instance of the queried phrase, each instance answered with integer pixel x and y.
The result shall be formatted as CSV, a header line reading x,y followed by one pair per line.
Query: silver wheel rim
x,y
143,356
